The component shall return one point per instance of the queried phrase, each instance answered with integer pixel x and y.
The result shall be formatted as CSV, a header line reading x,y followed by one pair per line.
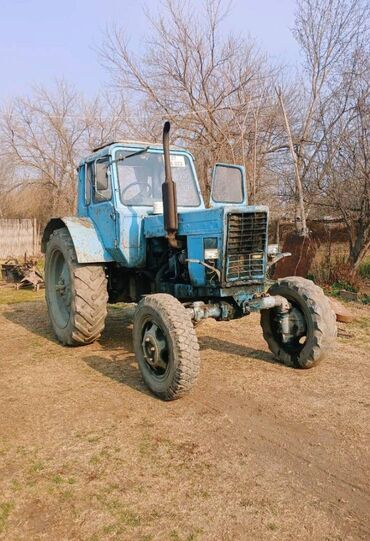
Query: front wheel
x,y
165,346
309,330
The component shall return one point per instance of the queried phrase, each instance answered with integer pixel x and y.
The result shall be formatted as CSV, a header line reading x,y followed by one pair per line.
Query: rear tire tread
x,y
89,297
323,322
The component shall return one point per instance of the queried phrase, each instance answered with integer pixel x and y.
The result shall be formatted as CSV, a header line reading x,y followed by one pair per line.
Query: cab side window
x,y
101,181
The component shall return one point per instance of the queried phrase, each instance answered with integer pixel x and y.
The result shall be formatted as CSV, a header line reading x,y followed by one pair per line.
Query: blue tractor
x,y
142,234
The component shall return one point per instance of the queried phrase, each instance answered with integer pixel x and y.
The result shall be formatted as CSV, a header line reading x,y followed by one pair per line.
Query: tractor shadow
x,y
118,362
113,355
119,368
230,348
115,359
32,316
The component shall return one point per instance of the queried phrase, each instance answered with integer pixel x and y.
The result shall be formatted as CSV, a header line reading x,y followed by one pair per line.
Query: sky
x,y
43,40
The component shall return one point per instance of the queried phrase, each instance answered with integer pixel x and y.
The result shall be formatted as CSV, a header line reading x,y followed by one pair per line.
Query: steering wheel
x,y
146,193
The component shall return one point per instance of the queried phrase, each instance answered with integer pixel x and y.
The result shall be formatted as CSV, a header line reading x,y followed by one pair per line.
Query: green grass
x,y
36,467
338,286
363,323
122,516
364,269
10,295
40,265
57,479
360,331
5,510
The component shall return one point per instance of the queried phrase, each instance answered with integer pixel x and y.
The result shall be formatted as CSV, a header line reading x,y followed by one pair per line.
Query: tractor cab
x,y
121,183
120,191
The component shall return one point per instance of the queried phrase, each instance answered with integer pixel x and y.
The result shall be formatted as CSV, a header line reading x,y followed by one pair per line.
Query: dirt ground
x,y
256,451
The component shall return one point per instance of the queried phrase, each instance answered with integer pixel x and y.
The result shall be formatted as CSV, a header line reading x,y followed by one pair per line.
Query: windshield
x,y
141,177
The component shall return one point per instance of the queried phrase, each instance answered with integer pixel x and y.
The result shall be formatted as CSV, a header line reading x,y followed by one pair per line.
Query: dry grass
x,y
257,451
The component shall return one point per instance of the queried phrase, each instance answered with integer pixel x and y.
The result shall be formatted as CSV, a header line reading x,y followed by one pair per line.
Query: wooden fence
x,y
19,237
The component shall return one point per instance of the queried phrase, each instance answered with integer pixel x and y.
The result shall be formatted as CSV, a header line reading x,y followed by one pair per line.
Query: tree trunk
x,y
359,244
301,225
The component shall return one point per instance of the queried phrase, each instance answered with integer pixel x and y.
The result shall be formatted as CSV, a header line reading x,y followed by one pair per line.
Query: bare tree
x,y
343,171
301,215
216,90
41,135
6,174
305,147
329,33
106,120
45,135
331,143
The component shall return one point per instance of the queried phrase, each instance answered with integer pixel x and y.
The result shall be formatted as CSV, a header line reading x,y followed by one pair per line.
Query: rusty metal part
x,y
267,302
22,274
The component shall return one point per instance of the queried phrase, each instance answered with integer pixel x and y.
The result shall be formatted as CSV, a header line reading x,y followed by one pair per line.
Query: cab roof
x,y
131,143
103,150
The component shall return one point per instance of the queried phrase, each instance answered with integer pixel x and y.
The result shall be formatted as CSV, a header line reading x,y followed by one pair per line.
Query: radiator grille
x,y
246,238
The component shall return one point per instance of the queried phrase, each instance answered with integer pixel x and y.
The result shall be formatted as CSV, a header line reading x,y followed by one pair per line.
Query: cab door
x,y
228,186
101,209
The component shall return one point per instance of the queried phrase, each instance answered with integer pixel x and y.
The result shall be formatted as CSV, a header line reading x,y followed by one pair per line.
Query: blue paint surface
x,y
123,236
86,240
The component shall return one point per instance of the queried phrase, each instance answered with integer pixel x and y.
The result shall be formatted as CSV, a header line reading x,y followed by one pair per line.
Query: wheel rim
x,y
155,349
298,328
60,291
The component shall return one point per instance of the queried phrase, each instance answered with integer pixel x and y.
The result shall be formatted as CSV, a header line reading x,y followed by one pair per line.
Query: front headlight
x,y
211,253
272,249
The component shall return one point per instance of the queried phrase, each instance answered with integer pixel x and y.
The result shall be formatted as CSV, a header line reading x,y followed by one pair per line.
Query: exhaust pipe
x,y
169,198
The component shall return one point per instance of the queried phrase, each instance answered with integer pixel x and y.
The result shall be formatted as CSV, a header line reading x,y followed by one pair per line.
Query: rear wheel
x,y
309,329
166,346
76,295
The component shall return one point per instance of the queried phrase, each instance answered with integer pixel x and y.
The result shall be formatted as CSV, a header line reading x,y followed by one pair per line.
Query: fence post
x,y
34,236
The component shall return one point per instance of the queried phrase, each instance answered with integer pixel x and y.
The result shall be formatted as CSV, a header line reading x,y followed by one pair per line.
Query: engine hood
x,y
196,222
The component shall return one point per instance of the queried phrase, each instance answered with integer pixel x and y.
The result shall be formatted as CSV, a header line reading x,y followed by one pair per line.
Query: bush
x,y
335,272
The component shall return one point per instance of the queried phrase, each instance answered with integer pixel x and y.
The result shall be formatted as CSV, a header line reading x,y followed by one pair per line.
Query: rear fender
x,y
86,241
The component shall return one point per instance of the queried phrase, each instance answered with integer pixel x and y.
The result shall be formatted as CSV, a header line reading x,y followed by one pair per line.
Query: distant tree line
x,y
303,139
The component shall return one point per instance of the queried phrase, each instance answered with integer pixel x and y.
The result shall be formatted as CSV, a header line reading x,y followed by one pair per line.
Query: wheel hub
x,y
155,348
63,290
60,288
292,325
